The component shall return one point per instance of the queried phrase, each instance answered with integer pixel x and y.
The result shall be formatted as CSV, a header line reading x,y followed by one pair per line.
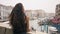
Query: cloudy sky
x,y
47,5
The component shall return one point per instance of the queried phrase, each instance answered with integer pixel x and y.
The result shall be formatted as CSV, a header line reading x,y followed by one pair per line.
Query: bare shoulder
x,y
27,17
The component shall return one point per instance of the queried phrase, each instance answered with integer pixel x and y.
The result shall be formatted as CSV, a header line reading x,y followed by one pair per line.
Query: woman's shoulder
x,y
27,17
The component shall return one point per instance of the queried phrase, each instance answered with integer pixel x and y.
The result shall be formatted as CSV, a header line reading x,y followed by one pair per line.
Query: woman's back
x,y
18,20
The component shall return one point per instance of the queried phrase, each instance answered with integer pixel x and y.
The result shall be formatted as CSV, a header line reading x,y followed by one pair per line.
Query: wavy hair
x,y
17,19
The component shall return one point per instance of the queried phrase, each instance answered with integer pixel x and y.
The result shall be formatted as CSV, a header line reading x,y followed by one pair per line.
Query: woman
x,y
18,20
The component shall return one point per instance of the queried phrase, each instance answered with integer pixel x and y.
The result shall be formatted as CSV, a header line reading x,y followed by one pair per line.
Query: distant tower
x,y
57,10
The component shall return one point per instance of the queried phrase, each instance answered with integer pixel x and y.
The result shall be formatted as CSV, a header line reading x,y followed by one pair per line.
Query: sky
x,y
46,5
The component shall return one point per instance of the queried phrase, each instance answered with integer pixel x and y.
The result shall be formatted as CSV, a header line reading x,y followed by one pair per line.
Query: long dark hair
x,y
17,18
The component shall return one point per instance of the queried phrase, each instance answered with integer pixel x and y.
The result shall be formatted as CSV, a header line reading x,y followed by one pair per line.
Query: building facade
x,y
57,10
35,13
4,12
